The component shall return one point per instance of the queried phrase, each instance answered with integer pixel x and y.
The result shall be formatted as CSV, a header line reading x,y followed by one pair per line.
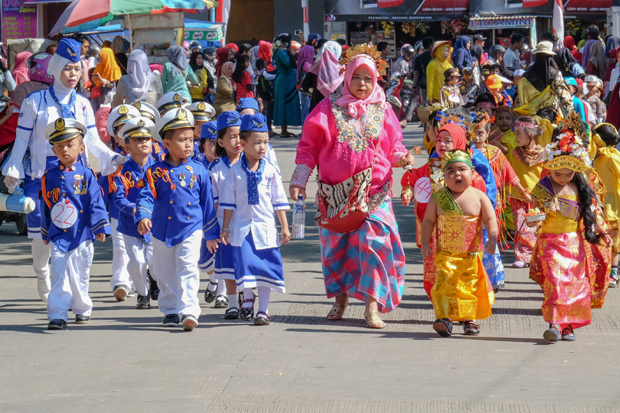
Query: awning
x,y
512,22
203,31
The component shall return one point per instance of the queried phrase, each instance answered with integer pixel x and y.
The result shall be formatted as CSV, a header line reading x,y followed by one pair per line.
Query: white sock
x,y
233,301
263,299
212,277
221,288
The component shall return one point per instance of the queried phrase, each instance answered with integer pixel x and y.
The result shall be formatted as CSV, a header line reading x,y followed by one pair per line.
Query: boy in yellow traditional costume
x,y
462,291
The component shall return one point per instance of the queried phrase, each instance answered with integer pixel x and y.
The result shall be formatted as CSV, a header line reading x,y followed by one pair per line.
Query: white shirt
x,y
259,218
37,110
218,172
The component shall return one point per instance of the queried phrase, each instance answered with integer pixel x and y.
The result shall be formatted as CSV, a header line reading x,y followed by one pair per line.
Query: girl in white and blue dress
x,y
206,263
228,149
250,196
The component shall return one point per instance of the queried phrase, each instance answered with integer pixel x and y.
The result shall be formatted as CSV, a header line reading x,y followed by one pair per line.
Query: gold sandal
x,y
337,311
373,320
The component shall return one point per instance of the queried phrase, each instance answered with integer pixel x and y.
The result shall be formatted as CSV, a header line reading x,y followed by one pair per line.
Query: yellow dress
x,y
607,166
462,290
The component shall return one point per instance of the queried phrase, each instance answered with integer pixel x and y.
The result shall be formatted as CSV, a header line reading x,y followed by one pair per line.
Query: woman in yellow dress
x,y
436,68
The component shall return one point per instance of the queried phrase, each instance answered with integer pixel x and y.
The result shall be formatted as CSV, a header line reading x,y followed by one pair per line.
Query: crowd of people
x,y
189,183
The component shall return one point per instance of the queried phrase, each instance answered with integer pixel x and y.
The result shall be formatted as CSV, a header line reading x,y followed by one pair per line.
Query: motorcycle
x,y
403,97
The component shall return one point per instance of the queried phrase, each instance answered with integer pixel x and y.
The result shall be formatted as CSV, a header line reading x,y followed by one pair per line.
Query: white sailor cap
x,y
140,127
63,129
202,111
147,110
178,118
169,101
119,115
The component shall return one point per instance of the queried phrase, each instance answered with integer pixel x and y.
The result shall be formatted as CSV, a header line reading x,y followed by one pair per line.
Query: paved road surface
x,y
125,361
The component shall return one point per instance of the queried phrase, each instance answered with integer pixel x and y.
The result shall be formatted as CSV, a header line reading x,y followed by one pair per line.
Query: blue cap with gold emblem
x,y
209,130
228,119
63,129
147,110
254,123
202,111
119,116
139,127
179,118
70,49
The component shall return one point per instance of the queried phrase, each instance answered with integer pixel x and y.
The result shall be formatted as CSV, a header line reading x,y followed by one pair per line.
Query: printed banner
x,y
395,10
586,8
19,20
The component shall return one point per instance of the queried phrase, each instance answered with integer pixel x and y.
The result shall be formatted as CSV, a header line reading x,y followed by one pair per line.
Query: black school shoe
x,y
82,319
443,327
232,313
153,288
171,320
210,294
471,328
144,302
57,324
189,322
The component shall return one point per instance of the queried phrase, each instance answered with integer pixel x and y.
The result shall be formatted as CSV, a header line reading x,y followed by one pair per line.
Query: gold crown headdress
x,y
568,150
456,155
364,50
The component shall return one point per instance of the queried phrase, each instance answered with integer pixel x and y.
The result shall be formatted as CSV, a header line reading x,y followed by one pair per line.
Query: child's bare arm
x,y
285,235
490,222
430,218
228,213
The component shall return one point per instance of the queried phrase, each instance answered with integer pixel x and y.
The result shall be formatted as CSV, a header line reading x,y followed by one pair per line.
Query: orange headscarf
x,y
107,67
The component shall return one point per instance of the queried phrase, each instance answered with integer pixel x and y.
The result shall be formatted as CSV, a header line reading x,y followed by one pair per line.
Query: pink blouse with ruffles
x,y
343,152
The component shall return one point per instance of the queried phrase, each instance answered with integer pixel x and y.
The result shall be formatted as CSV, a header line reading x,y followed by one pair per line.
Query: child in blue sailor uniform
x,y
206,263
73,216
120,281
176,204
127,184
203,112
249,106
228,150
39,109
252,192
149,111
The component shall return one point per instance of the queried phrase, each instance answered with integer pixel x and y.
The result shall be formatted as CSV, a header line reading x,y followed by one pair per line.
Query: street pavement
x,y
125,361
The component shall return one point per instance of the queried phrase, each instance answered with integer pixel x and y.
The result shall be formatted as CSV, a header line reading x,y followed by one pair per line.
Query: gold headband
x,y
456,155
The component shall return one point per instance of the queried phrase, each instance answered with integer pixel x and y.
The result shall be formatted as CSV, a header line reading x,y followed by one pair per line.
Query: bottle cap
x,y
300,197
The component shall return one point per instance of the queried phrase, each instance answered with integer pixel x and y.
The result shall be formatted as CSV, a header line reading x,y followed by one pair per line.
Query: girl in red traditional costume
x,y
347,137
563,262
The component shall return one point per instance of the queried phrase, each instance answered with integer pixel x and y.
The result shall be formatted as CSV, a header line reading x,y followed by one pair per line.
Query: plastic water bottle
x,y
299,218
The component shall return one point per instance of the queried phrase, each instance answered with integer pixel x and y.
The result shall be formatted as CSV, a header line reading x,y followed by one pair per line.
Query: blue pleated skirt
x,y
258,268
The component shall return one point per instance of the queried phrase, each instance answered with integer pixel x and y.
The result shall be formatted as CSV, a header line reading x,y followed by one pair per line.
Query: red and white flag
x,y
558,21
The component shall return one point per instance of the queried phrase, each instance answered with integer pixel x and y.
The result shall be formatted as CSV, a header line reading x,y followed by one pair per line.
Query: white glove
x,y
11,183
119,160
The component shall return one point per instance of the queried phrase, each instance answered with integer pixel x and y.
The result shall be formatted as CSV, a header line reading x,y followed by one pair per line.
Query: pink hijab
x,y
355,106
20,70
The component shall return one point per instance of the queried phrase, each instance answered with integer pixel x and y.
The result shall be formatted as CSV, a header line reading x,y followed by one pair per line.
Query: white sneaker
x,y
44,286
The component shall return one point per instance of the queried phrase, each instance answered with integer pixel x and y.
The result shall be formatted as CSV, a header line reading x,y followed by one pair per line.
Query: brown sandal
x,y
373,320
337,311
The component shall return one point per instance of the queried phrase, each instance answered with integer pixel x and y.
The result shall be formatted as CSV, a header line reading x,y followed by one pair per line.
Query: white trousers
x,y
41,258
176,272
140,259
120,274
70,273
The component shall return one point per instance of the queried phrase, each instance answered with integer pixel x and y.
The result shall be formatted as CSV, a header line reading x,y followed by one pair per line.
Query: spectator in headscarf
x,y
199,91
613,43
140,83
177,75
565,60
120,46
223,56
20,70
209,54
224,101
264,52
304,64
313,39
254,56
324,77
597,61
105,76
287,110
461,56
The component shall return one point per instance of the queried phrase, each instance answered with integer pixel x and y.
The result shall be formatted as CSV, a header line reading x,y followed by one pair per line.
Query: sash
x,y
545,194
446,202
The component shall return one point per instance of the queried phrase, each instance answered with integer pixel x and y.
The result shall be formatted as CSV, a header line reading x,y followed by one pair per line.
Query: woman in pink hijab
x,y
343,136
20,70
